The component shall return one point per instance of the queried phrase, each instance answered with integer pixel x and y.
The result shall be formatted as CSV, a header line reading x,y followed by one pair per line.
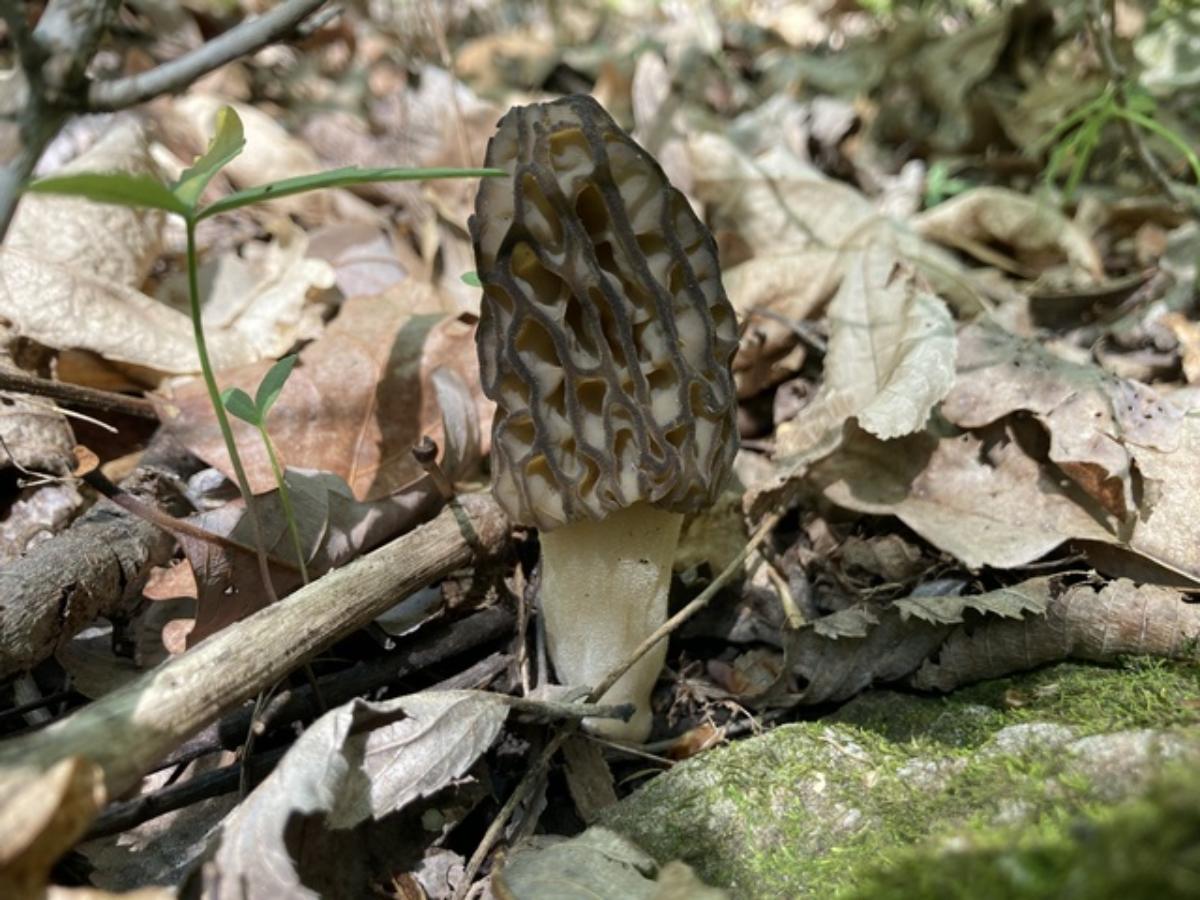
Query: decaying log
x,y
96,568
127,731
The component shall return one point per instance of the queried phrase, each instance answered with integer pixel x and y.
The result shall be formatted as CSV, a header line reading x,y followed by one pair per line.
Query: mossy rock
x,y
1015,788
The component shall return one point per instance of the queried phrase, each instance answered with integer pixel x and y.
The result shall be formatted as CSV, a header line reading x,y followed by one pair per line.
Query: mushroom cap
x,y
605,337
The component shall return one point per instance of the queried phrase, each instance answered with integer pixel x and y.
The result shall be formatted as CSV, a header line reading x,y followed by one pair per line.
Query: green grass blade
x,y
272,384
335,178
120,188
227,143
1148,124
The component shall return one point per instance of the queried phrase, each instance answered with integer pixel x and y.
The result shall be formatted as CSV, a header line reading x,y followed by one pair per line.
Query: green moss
x,y
1149,847
1139,693
836,807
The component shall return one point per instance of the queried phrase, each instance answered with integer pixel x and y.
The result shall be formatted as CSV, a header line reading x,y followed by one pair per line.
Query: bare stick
x,y
128,730
94,568
520,792
119,93
54,60
75,395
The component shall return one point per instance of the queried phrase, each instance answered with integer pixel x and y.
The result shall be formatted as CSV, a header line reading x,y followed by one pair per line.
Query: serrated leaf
x,y
855,622
226,144
346,177
239,404
272,384
1015,602
119,188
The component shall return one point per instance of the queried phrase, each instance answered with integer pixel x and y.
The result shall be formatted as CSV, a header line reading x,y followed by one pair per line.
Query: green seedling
x,y
1075,139
183,198
941,184
254,412
472,278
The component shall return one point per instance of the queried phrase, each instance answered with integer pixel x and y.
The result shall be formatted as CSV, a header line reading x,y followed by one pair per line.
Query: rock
x,y
923,783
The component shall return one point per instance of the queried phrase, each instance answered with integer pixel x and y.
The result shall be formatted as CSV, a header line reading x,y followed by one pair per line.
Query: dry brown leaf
x,y
357,402
519,59
984,500
41,816
108,243
775,200
80,290
1037,233
333,527
1168,524
363,257
1094,419
890,358
258,297
1187,333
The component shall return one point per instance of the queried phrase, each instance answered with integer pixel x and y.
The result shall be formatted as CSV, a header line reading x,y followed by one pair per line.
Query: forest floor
x,y
947,635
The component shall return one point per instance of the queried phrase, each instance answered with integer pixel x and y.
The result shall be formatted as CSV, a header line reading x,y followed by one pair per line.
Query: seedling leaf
x,y
272,384
345,177
226,144
120,188
239,404
472,278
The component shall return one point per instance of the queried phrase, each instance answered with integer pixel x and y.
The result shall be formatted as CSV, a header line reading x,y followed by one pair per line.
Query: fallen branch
x,y
77,395
96,568
120,93
127,731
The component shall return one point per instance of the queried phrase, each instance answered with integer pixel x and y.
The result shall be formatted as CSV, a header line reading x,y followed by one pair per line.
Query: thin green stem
x,y
285,500
214,396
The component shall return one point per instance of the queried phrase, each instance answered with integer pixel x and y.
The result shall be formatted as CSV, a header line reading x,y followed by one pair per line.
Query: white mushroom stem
x,y
604,591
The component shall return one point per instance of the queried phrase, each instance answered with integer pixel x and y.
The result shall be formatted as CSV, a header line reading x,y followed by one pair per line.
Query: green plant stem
x,y
214,396
285,500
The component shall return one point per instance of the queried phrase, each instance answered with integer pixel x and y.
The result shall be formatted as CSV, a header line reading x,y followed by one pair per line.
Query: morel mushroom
x,y
605,339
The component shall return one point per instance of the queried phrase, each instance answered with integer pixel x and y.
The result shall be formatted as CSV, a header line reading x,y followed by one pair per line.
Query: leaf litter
x,y
971,392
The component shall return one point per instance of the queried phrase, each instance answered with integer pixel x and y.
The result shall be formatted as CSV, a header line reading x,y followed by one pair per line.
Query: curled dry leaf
x,y
357,403
259,296
890,358
805,231
113,244
41,816
976,220
1079,623
80,289
1094,420
333,526
980,497
357,762
37,515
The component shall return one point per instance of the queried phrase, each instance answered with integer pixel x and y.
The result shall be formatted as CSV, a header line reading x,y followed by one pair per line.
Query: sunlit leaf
x,y
120,188
238,403
272,384
227,143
